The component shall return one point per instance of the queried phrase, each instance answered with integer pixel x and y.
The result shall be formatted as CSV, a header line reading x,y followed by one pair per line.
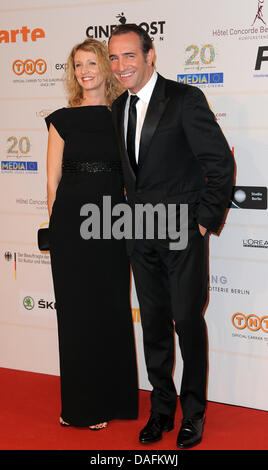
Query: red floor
x,y
29,411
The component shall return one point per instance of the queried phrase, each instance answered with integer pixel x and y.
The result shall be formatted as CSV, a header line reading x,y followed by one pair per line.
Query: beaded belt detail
x,y
73,166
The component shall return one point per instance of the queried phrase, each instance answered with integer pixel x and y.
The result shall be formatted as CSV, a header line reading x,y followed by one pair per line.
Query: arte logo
x,y
251,322
25,34
153,28
205,79
29,66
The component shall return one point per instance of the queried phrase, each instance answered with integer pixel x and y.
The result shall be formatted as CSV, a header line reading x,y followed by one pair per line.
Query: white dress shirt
x,y
144,97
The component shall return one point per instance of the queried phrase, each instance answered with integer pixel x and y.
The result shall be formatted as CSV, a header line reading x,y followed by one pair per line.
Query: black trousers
x,y
172,290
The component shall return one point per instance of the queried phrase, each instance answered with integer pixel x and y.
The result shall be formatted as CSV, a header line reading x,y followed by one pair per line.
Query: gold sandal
x,y
98,427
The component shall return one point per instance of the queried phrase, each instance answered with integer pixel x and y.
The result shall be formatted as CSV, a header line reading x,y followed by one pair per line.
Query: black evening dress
x,y
91,276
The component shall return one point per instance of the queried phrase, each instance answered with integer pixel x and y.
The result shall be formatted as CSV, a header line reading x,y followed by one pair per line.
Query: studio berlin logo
x,y
150,222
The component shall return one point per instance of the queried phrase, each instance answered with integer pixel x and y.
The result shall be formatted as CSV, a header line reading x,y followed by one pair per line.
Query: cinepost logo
x,y
29,66
154,28
251,322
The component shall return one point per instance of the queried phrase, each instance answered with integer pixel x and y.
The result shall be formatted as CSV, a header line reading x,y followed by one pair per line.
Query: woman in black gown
x,y
91,276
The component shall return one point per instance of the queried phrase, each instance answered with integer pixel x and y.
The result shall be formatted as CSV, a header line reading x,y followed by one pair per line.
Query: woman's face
x,y
87,71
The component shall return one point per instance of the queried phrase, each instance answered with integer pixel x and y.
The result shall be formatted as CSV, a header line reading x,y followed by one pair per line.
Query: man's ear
x,y
150,57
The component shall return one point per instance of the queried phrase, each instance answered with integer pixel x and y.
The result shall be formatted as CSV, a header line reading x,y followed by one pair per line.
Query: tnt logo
x,y
252,322
29,66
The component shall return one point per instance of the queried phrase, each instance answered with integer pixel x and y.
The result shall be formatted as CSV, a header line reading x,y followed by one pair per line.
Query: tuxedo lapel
x,y
156,108
120,109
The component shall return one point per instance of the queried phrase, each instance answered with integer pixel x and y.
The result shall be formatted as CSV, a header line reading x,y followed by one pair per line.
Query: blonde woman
x,y
91,275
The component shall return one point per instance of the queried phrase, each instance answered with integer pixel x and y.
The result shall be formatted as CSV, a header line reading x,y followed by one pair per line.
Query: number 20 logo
x,y
23,144
206,54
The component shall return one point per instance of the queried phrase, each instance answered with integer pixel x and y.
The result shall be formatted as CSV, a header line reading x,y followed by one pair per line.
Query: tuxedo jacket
x,y
183,154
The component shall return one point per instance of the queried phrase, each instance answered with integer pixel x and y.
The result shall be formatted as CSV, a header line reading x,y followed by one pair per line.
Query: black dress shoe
x,y
157,423
190,433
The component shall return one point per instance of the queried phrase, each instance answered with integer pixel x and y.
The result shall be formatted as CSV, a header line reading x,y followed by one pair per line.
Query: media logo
x,y
15,166
24,34
251,322
153,28
249,197
202,79
29,66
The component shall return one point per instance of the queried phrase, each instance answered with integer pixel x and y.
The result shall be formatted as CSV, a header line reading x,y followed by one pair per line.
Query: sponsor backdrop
x,y
221,47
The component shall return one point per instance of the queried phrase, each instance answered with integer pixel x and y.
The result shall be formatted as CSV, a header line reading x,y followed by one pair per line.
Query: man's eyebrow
x,y
123,53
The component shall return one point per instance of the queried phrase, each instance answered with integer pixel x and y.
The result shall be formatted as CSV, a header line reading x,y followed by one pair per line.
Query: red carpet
x,y
29,411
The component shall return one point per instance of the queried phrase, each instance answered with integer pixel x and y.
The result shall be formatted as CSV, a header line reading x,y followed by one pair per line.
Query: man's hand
x,y
202,230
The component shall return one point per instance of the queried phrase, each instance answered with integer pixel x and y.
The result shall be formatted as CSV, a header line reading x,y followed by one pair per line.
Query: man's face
x,y
127,61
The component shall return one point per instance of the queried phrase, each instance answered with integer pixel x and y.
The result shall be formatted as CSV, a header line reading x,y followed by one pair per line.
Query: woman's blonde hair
x,y
75,92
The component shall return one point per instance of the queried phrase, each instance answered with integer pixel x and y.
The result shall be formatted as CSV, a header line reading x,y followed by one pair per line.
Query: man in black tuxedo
x,y
176,154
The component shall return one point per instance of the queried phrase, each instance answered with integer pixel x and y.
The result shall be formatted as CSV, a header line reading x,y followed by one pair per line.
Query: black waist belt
x,y
73,166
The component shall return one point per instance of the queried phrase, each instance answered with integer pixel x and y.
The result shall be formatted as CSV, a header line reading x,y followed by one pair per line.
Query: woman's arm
x,y
54,162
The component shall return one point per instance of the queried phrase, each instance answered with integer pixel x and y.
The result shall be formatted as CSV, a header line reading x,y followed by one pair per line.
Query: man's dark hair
x,y
146,42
